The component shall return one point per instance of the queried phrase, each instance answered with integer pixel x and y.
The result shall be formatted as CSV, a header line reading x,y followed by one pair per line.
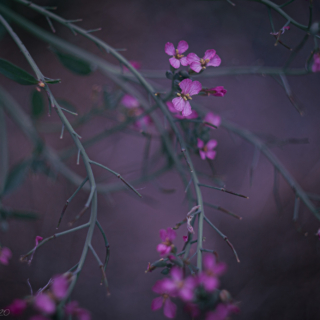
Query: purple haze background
x,y
278,277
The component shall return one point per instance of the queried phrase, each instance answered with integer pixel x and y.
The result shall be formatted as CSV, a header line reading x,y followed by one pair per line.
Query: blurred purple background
x,y
278,277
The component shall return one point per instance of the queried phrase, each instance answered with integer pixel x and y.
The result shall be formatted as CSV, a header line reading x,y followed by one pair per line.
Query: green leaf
x,y
37,104
160,264
16,176
67,105
74,64
16,74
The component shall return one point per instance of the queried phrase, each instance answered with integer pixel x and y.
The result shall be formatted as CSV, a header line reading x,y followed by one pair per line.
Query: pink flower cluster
x,y
167,236
196,64
316,63
187,289
46,300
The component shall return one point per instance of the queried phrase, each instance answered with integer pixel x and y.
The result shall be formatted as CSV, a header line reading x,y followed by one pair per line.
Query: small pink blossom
x,y
167,237
59,286
72,308
206,151
38,239
135,64
210,59
178,286
281,31
219,91
185,238
316,63
189,88
44,303
222,311
209,277
176,54
213,119
17,307
5,255
169,308
130,101
178,115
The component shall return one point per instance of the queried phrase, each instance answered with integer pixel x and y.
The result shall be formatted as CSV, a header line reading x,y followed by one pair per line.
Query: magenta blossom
x,y
130,101
176,54
189,88
219,91
210,59
178,115
169,308
44,303
178,286
72,308
167,237
209,277
206,151
316,63
185,238
17,307
222,311
59,287
5,255
213,119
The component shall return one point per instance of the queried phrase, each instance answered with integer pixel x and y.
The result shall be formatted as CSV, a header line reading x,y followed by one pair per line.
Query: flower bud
x,y
169,75
225,296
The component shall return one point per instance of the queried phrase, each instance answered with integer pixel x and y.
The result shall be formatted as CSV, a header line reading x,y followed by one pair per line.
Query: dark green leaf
x,y
52,81
160,264
16,176
67,105
74,64
37,104
16,74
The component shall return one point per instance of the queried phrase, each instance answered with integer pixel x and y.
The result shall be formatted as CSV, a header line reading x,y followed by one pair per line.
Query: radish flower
x,y
210,59
176,54
206,151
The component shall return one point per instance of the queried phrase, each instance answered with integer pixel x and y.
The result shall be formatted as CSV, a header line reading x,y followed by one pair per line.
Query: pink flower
x,y
178,286
130,101
135,64
316,63
38,239
210,59
169,308
219,91
5,255
178,115
176,54
44,303
167,237
59,287
189,88
209,277
72,308
222,311
185,238
206,151
213,119
17,306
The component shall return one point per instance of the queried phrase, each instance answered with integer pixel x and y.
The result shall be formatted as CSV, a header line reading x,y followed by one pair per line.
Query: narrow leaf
x,y
16,74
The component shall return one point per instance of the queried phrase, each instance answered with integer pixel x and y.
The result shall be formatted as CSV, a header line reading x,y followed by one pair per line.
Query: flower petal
x,y
200,143
170,309
60,287
187,109
192,57
220,268
215,61
171,234
209,54
156,303
176,274
209,262
185,85
211,144
178,103
129,101
212,118
193,115
169,49
202,155
158,287
169,286
45,304
174,62
211,283
163,234
163,249
211,154
195,88
196,66
184,61
182,46
171,107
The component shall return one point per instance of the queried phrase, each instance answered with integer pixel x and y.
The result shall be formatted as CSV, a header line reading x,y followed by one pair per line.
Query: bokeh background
x,y
278,277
